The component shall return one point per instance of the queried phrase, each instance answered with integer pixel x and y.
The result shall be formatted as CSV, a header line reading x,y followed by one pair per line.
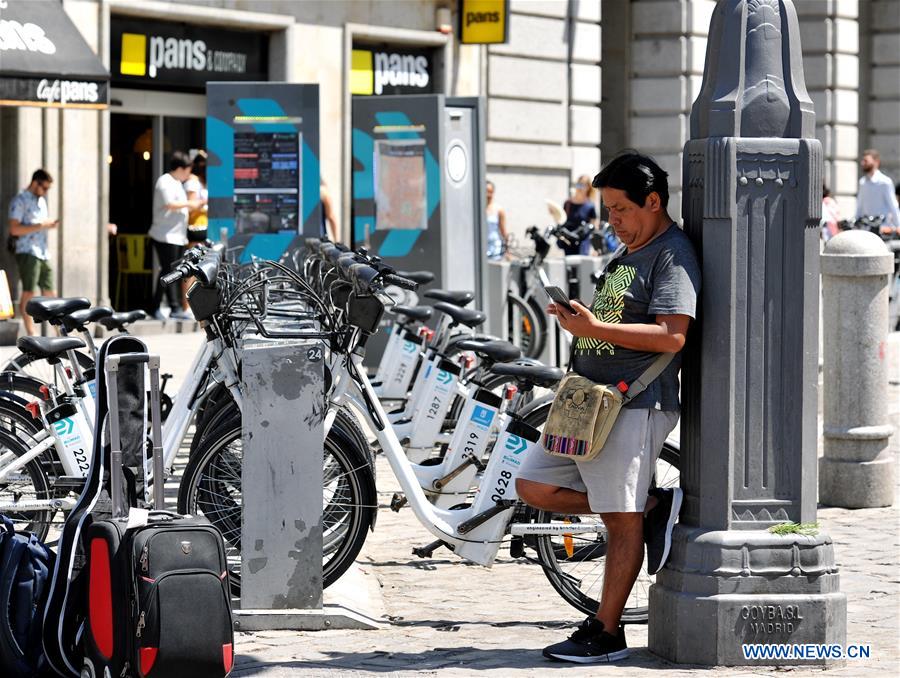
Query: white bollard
x,y
857,470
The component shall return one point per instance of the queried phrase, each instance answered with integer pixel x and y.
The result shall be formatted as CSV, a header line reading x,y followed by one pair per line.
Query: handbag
x,y
583,412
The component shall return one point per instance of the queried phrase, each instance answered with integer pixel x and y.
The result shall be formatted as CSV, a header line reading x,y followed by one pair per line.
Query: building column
x,y
830,35
543,117
75,250
668,45
883,35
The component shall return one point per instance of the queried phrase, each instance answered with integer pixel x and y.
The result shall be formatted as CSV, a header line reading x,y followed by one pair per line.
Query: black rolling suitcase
x,y
65,613
158,602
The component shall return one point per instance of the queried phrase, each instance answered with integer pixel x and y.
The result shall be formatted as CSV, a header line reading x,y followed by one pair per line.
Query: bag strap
x,y
640,384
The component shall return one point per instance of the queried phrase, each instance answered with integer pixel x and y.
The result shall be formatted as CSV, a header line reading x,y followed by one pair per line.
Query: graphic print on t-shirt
x,y
609,304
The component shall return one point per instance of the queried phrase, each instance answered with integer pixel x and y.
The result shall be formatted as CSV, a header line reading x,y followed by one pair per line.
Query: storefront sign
x,y
180,56
389,71
483,21
44,60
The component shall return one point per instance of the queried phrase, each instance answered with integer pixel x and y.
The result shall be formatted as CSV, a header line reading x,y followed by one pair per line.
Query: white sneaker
x,y
182,315
159,315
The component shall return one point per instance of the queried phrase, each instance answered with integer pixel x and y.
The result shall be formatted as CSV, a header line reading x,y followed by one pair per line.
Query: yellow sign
x,y
483,21
361,72
134,54
6,305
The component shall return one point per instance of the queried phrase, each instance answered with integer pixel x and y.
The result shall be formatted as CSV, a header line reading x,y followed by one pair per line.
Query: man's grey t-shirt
x,y
662,278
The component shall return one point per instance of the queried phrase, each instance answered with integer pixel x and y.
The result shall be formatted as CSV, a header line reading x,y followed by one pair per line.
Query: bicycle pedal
x,y
428,550
398,501
517,548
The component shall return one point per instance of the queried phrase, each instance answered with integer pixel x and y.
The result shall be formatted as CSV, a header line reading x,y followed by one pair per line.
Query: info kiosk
x,y
263,166
418,188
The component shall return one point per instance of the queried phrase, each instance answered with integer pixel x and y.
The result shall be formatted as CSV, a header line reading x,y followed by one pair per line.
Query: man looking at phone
x,y
642,307
29,222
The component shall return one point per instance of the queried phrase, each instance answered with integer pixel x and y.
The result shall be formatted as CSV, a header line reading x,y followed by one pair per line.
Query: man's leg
x,y
24,298
624,556
552,497
28,276
625,543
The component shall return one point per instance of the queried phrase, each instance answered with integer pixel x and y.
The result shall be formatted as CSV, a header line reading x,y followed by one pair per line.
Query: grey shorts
x,y
617,480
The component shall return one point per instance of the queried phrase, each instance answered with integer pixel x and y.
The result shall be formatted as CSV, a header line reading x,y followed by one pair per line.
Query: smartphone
x,y
560,298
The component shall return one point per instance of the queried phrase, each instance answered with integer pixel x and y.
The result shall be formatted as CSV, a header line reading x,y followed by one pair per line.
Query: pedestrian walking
x,y
168,233
580,209
329,227
831,215
496,224
875,191
642,307
29,221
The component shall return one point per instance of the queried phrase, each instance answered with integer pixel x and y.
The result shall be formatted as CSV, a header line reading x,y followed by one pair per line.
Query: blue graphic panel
x,y
220,142
267,246
363,152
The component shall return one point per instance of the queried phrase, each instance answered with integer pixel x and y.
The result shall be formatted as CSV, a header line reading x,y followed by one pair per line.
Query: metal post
x,y
282,484
752,203
858,468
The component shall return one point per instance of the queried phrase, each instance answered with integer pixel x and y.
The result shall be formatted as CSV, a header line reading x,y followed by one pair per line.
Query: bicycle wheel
x,y
26,484
212,486
526,328
16,420
575,564
224,409
39,368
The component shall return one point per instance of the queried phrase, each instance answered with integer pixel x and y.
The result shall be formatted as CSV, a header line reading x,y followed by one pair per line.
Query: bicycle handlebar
x,y
173,277
400,281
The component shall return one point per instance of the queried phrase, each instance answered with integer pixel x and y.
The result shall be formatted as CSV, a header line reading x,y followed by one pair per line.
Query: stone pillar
x,y
752,202
857,470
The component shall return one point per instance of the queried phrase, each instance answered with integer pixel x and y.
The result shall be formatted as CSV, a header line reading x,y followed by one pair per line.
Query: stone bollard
x,y
857,470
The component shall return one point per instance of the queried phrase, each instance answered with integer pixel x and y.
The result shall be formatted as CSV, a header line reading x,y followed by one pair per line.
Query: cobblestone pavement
x,y
442,616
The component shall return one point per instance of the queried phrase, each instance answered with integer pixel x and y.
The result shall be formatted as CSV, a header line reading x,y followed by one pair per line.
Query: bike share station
x,y
418,189
263,170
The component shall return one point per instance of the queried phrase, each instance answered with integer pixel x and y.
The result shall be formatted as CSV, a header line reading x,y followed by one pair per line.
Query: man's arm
x,y
667,335
17,228
893,211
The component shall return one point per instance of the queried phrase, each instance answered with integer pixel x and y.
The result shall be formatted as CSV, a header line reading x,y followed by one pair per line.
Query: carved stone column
x,y
752,201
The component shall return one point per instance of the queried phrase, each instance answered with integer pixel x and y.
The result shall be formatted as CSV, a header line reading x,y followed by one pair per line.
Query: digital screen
x,y
400,196
267,177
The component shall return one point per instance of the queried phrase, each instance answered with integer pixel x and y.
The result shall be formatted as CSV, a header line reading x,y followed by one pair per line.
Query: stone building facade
x,y
577,81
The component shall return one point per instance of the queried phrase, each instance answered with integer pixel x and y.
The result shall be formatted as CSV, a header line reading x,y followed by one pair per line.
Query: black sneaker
x,y
589,644
658,524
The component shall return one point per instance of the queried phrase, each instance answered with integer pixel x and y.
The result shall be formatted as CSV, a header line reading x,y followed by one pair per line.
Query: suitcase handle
x,y
113,363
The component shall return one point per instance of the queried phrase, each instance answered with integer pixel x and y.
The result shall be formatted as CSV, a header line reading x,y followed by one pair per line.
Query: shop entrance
x,y
139,148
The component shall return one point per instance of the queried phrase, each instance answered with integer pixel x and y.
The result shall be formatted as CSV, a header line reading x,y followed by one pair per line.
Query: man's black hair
x,y
636,174
42,176
179,160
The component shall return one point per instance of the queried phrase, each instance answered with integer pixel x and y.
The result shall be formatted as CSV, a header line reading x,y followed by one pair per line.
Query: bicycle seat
x,y
118,321
420,313
76,322
493,351
421,277
460,299
529,375
50,308
461,316
48,347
